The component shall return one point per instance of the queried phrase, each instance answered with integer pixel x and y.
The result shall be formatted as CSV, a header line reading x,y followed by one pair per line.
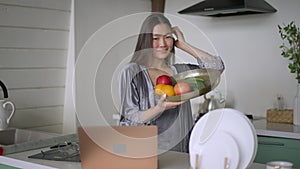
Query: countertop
x,y
176,160
284,130
168,160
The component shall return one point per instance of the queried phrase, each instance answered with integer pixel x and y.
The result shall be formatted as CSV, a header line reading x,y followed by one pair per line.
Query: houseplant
x,y
290,49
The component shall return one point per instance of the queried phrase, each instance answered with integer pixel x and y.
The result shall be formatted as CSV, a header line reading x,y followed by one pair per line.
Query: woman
x,y
139,103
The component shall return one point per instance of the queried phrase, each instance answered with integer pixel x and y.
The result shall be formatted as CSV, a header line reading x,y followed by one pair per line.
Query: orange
x,y
169,90
158,89
161,89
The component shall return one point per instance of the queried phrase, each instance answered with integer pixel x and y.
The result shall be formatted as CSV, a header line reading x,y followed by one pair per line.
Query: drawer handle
x,y
271,143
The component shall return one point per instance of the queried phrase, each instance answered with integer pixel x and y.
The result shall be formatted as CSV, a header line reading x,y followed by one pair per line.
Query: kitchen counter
x,y
283,130
175,160
169,160
277,141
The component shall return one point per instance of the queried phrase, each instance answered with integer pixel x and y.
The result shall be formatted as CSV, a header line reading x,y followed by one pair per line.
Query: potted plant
x,y
290,49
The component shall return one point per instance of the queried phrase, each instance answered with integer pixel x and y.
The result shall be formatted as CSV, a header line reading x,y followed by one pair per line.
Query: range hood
x,y
218,8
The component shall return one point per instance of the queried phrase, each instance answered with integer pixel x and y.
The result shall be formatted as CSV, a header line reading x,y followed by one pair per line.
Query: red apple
x,y
182,88
164,79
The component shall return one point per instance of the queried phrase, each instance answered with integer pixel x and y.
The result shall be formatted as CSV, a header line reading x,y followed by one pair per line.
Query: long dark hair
x,y
143,49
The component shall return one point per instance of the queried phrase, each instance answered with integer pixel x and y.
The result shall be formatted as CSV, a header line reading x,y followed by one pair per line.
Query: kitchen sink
x,y
17,136
17,140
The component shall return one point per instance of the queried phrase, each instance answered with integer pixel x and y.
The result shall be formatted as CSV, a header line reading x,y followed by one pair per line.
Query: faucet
x,y
4,89
5,116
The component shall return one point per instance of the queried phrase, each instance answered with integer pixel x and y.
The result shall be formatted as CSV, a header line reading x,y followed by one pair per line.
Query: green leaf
x,y
285,54
281,46
292,68
290,34
196,83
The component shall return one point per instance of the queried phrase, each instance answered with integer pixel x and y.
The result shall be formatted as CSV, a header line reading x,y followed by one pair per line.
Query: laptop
x,y
118,147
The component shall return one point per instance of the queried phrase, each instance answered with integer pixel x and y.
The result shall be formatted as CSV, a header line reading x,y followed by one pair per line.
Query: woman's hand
x,y
183,45
162,105
180,38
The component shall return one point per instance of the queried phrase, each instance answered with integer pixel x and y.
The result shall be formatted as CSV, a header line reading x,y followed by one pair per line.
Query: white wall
x,y
34,69
249,45
92,17
33,52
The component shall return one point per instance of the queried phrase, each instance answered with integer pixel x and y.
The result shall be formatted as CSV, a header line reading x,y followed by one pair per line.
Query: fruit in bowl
x,y
162,89
193,83
164,79
182,88
164,85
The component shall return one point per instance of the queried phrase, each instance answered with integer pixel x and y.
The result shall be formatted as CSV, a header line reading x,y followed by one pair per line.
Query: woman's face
x,y
163,41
